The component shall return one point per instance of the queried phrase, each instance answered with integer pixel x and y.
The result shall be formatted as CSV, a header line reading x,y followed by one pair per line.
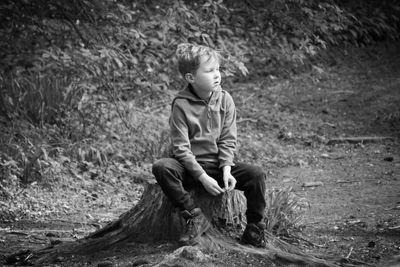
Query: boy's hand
x,y
210,185
229,182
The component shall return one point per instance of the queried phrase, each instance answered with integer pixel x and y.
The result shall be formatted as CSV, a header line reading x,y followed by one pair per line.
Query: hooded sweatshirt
x,y
203,131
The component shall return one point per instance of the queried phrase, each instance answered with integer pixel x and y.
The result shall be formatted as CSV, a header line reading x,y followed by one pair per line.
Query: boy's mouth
x,y
217,87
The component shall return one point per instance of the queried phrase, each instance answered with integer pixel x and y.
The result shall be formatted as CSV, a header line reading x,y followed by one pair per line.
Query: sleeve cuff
x,y
226,163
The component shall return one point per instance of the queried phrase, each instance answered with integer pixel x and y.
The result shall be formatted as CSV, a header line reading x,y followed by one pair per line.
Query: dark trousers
x,y
175,181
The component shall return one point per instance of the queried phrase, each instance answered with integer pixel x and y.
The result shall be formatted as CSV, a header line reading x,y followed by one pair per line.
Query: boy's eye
x,y
211,70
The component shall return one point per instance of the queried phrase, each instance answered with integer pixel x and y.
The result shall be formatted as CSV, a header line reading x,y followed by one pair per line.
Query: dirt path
x,y
354,212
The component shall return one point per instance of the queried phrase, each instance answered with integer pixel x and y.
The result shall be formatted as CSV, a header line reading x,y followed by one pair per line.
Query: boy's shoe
x,y
196,225
254,234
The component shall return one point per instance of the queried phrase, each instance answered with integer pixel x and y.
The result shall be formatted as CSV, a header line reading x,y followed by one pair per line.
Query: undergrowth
x,y
85,88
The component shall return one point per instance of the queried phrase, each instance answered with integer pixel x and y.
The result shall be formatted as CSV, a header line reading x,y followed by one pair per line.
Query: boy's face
x,y
207,78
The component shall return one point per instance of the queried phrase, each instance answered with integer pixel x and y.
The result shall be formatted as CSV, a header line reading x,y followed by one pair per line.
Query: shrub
x,y
72,67
283,212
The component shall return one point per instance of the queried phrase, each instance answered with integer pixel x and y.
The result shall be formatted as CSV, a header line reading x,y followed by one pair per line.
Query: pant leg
x,y
173,178
251,180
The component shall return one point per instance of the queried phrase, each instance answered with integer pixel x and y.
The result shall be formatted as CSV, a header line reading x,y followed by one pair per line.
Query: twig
x,y
140,98
344,182
114,99
246,119
251,5
329,124
342,92
72,23
332,156
394,208
47,231
71,222
351,251
158,107
84,8
359,139
312,184
309,242
247,98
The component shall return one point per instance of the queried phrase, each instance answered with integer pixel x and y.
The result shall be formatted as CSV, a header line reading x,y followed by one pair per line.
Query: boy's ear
x,y
189,77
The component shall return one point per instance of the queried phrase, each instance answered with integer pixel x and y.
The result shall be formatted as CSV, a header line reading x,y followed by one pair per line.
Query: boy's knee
x,y
158,170
162,166
258,174
159,166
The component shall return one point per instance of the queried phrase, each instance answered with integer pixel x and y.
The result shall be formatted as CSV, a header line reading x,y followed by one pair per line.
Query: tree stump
x,y
154,219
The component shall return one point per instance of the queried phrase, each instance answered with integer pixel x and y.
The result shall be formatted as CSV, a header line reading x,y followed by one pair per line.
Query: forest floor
x,y
353,211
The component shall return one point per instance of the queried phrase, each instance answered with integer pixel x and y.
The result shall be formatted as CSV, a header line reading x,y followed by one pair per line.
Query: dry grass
x,y
284,211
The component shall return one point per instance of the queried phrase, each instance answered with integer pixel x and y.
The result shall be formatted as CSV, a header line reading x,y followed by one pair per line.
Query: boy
x,y
203,136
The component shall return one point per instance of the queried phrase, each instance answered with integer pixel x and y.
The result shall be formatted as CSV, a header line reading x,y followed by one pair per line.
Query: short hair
x,y
189,56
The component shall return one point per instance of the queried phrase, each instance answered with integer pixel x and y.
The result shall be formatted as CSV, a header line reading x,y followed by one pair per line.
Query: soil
x,y
353,209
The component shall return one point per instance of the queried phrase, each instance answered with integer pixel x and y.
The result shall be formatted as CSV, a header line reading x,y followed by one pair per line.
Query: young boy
x,y
203,135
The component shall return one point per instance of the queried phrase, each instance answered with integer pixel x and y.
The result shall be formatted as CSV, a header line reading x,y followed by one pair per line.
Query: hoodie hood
x,y
189,94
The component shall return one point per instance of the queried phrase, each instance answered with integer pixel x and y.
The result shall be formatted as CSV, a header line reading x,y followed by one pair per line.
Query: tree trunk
x,y
155,219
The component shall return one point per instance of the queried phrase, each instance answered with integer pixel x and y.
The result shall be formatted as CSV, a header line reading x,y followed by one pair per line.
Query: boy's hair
x,y
189,56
